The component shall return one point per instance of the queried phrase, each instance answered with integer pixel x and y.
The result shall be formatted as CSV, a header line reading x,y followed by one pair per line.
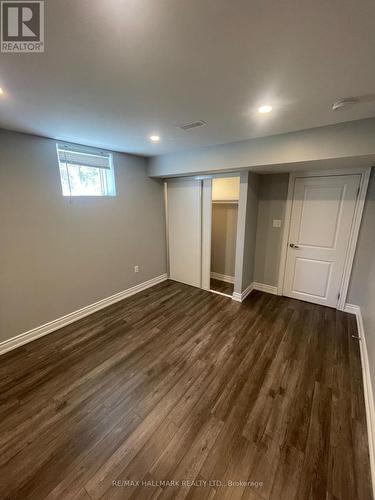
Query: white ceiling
x,y
116,71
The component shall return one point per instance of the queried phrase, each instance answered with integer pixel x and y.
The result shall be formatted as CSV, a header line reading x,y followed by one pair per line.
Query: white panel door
x,y
321,220
184,230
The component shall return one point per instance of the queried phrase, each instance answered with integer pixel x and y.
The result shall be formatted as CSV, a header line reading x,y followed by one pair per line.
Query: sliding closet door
x,y
184,230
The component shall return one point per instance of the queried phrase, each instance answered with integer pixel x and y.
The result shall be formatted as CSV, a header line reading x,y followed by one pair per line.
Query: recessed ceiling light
x,y
266,108
154,138
1,91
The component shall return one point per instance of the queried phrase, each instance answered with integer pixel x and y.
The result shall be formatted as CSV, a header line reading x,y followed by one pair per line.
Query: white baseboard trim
x,y
265,288
240,297
247,291
222,277
352,309
56,324
367,388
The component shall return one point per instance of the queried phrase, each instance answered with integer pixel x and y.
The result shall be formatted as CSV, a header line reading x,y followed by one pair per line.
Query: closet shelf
x,y
225,202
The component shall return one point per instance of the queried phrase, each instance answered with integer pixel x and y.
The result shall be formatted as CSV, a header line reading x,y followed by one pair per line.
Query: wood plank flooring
x,y
221,286
256,400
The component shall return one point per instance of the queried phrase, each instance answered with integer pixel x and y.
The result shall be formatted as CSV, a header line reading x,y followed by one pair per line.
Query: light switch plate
x,y
276,223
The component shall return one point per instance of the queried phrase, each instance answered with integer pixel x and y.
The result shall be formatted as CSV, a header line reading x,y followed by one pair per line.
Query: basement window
x,y
85,171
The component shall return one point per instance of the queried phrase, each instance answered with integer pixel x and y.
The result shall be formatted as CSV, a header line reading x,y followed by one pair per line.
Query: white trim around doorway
x,y
365,177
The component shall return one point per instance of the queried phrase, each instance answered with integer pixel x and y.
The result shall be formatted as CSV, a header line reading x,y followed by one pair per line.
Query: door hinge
x,y
338,296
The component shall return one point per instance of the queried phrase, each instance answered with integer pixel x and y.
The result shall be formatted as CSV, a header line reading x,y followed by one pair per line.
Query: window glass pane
x,y
86,180
64,179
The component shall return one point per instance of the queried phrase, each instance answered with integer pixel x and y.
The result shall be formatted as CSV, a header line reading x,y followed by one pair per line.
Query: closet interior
x,y
224,218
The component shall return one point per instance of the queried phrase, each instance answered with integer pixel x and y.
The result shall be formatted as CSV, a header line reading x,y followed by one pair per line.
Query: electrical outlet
x,y
136,269
276,223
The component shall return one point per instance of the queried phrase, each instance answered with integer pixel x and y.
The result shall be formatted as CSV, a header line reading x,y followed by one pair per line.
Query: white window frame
x,y
106,173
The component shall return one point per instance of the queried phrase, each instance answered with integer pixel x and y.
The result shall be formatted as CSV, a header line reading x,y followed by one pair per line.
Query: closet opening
x,y
224,215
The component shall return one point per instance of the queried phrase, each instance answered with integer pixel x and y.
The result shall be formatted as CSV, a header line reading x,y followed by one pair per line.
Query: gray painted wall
x,y
250,231
344,144
57,255
223,241
273,192
362,284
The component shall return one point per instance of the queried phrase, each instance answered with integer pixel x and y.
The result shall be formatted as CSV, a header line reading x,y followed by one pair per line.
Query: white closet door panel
x,y
184,231
321,220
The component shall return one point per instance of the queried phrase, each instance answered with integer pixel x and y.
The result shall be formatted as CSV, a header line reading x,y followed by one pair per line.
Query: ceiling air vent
x,y
189,126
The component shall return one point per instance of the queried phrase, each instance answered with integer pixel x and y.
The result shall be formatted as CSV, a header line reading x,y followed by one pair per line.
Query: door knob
x,y
292,245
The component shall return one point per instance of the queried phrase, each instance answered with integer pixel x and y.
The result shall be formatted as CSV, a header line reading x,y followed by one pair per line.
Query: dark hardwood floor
x,y
221,286
176,384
